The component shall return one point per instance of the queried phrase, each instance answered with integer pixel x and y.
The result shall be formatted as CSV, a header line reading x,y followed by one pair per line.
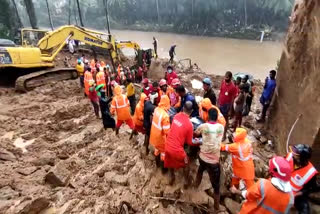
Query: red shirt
x,y
171,76
228,92
181,132
148,91
93,96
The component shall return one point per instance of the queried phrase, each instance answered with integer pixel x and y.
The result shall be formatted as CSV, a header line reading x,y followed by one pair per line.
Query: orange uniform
x,y
300,176
87,78
138,113
100,78
264,198
204,107
120,105
242,162
160,125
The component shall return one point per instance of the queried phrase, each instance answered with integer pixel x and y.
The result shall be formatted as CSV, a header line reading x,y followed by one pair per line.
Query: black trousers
x,y
132,100
214,174
301,204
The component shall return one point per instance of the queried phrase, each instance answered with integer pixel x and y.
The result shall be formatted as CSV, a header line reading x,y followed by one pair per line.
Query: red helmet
x,y
175,83
162,82
280,168
145,81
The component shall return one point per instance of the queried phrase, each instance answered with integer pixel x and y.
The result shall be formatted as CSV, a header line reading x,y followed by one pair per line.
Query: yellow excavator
x,y
39,59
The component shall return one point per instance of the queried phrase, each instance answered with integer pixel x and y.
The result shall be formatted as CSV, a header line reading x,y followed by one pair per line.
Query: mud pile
x,y
55,157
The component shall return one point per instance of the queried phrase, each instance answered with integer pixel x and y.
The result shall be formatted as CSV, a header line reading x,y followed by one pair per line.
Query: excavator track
x,y
30,81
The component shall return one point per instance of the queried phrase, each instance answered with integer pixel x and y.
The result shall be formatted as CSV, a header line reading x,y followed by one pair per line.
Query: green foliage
x,y
200,17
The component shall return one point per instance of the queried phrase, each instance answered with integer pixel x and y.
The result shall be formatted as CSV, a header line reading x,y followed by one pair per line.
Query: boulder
x,y
35,206
27,170
7,193
58,176
6,155
233,206
114,178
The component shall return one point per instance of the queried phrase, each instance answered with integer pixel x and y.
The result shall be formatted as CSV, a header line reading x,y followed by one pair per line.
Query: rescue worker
x,y
242,162
147,87
170,74
121,106
147,121
80,71
159,129
155,47
187,97
209,156
100,77
155,95
208,91
205,106
173,95
163,87
273,196
87,78
107,120
131,95
94,98
304,176
138,116
172,52
181,132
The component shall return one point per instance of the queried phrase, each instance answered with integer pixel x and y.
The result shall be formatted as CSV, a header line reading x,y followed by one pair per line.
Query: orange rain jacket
x,y
241,150
206,104
264,198
160,124
120,105
87,78
138,113
100,78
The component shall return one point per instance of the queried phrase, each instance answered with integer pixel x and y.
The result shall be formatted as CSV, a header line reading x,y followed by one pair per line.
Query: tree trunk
x,y
49,14
157,2
192,8
80,15
245,13
17,13
105,2
31,13
75,12
69,12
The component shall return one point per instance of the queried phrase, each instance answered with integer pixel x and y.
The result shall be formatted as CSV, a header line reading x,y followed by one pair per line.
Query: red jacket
x,y
181,132
171,76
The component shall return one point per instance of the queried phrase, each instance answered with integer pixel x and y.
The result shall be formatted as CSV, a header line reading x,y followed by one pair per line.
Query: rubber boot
x,y
146,144
117,131
132,133
158,161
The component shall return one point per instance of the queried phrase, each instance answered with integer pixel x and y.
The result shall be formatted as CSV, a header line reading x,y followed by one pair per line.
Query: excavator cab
x,y
28,37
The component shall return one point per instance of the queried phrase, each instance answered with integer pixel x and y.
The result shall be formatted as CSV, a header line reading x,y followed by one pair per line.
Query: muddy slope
x,y
298,90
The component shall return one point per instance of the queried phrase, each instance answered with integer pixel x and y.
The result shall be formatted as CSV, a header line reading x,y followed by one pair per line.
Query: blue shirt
x,y
189,97
268,89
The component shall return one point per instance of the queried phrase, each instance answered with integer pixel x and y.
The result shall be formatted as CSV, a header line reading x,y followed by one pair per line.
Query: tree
x,y
17,13
105,2
49,14
31,13
69,12
157,2
80,15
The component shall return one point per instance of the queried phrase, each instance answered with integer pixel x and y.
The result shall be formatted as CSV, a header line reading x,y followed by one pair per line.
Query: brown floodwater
x,y
213,55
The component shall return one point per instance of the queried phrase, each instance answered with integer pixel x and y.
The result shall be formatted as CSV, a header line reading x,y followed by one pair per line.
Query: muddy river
x,y
213,55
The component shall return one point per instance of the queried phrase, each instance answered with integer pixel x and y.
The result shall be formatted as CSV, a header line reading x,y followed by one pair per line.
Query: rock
x,y
28,170
263,139
35,206
233,206
112,177
7,193
314,208
261,169
47,158
58,176
6,155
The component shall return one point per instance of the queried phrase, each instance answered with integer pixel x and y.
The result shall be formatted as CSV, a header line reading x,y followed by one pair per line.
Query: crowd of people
x,y
178,130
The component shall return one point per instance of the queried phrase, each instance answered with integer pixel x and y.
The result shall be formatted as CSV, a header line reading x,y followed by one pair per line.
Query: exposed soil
x,y
55,157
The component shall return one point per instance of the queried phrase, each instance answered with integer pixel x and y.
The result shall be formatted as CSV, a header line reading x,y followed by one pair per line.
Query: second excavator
x,y
38,61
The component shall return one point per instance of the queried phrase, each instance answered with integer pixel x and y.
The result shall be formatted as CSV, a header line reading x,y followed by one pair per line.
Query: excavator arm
x,y
52,43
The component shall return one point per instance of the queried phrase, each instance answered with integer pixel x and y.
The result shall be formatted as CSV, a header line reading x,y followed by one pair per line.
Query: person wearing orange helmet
x,y
163,87
121,106
160,128
269,196
242,162
88,77
138,116
204,107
